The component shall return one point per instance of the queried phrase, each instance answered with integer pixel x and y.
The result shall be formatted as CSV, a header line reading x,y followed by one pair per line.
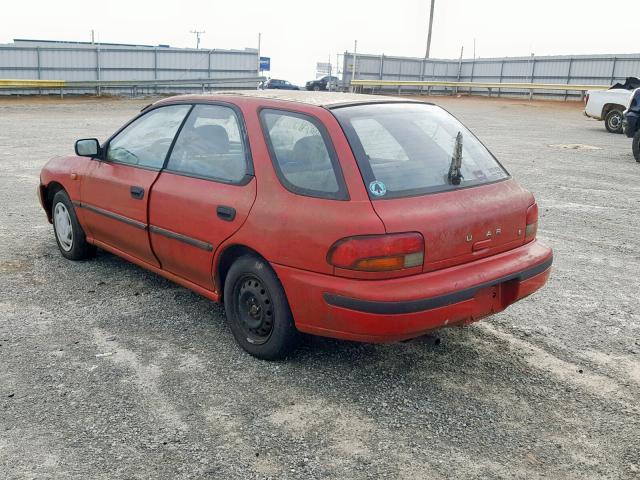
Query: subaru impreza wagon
x,y
350,216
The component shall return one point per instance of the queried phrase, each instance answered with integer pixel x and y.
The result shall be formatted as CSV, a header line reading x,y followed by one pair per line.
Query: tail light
x,y
378,253
532,223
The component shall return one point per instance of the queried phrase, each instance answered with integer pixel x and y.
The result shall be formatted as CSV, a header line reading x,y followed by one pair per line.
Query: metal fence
x,y
574,69
101,62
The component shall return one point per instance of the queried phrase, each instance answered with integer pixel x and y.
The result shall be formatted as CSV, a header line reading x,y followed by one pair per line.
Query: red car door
x,y
115,192
204,194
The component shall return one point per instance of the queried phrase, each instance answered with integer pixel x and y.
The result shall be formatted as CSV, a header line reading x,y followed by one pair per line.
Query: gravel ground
x,y
108,371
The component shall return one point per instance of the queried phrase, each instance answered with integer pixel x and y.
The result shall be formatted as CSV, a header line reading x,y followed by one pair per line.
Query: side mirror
x,y
87,147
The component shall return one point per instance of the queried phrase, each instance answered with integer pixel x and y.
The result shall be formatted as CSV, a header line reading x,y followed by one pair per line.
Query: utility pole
x,y
353,67
259,63
426,55
459,67
197,34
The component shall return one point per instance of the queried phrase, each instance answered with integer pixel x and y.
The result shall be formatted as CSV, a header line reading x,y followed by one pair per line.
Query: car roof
x,y
320,99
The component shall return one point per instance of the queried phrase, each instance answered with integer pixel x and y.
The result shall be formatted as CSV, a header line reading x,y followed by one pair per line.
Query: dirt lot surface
x,y
108,371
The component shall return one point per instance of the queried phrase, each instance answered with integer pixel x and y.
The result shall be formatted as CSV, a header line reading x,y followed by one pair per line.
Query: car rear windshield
x,y
406,149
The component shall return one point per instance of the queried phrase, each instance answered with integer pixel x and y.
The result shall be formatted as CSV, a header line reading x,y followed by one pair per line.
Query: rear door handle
x,y
137,192
226,213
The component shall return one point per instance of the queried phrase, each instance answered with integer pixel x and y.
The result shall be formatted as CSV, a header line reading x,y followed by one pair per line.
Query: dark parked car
x,y
631,123
321,83
276,84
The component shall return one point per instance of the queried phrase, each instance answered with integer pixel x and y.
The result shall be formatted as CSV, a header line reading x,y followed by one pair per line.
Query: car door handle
x,y
137,192
226,213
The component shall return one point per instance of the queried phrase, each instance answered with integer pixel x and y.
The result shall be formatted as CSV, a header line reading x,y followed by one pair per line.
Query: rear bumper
x,y
595,117
401,308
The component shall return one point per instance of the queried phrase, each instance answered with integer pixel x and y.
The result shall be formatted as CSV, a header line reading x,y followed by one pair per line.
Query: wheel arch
x,y
611,106
47,193
226,257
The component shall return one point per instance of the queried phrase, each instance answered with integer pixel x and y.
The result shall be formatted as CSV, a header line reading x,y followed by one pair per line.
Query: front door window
x,y
146,141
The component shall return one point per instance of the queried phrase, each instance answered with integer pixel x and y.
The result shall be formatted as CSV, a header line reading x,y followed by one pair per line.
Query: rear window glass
x,y
302,154
407,149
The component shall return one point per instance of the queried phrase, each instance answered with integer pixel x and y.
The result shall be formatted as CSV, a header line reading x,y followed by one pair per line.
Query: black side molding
x,y
397,308
181,238
114,216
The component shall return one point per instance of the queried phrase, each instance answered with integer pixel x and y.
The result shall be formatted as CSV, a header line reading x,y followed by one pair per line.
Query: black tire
x,y
257,309
613,121
72,244
635,146
316,88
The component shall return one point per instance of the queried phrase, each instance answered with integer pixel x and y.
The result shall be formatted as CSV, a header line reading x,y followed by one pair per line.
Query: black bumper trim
x,y
413,306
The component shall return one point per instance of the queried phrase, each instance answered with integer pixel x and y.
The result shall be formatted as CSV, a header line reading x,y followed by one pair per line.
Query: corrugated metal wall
x,y
576,69
77,61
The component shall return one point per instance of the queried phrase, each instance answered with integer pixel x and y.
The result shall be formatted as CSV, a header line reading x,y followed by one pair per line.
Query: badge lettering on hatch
x,y
489,234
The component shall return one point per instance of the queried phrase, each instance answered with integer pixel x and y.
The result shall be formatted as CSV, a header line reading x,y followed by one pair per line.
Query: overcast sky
x,y
297,34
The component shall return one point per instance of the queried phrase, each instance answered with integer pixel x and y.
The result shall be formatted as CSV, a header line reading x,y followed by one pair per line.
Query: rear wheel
x,y
257,309
70,236
316,88
635,146
613,121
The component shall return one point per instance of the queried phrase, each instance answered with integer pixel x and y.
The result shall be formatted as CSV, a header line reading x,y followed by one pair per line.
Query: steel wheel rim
x,y
254,309
614,121
63,227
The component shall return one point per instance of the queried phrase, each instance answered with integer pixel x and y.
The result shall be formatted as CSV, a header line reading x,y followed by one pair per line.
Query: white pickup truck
x,y
608,105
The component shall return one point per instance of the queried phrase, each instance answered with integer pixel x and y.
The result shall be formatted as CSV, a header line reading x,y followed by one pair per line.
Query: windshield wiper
x,y
455,169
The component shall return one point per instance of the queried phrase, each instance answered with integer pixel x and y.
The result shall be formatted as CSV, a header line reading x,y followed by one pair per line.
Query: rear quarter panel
x,y
599,98
295,230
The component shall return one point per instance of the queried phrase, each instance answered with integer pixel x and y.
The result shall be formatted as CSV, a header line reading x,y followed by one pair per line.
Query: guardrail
x,y
62,85
19,83
566,87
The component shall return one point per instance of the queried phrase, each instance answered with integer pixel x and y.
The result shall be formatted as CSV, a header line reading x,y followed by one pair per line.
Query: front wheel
x,y
316,88
635,146
70,236
257,309
613,121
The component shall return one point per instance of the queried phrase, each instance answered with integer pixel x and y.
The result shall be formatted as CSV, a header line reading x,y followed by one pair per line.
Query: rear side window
x,y
302,154
408,149
210,145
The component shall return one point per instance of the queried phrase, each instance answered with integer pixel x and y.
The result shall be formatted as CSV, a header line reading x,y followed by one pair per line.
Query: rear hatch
x,y
463,225
425,172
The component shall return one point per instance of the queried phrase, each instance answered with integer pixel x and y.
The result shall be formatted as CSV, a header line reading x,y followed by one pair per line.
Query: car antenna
x,y
455,172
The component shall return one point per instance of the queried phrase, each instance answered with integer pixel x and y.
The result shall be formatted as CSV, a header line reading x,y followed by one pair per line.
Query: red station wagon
x,y
350,216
